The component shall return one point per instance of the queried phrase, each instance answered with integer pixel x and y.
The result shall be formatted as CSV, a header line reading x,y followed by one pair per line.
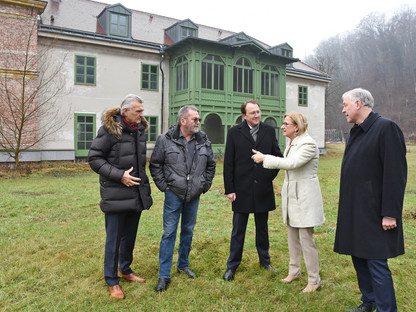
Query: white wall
x,y
315,111
117,74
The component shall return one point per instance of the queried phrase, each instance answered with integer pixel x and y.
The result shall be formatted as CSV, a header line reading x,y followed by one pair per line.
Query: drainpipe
x,y
162,57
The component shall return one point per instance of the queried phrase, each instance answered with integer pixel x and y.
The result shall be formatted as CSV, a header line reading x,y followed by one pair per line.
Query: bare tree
x,y
28,93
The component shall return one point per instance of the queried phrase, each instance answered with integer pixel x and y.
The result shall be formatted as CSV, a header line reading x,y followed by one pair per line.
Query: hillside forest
x,y
378,55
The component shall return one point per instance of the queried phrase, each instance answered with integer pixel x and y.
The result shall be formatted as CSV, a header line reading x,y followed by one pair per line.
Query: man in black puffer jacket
x,y
118,155
183,166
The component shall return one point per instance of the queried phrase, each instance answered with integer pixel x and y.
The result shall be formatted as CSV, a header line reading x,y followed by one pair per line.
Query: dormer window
x,y
187,32
119,24
115,20
287,53
181,30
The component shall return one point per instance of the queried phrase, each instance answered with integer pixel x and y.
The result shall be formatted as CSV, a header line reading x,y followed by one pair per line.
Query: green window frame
x,y
85,70
84,132
287,53
212,73
182,73
150,77
153,130
187,32
270,81
302,96
243,76
119,24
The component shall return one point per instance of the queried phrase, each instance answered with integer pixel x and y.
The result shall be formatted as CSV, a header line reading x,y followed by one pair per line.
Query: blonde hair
x,y
299,120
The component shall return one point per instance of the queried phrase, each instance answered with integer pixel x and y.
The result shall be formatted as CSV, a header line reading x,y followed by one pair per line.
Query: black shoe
x,y
162,284
188,272
269,267
229,275
362,308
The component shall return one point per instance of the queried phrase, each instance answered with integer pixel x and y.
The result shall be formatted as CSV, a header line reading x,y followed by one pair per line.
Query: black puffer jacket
x,y
116,149
168,165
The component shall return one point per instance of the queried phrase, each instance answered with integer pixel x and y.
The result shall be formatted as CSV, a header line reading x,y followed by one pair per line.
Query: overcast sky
x,y
301,23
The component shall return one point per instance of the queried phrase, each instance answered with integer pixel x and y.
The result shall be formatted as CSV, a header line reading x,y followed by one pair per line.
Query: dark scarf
x,y
133,127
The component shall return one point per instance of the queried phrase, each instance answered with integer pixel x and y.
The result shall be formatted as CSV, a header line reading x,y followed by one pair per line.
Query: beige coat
x,y
302,204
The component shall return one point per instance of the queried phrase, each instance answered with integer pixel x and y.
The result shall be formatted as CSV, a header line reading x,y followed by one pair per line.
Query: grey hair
x,y
360,94
127,102
183,112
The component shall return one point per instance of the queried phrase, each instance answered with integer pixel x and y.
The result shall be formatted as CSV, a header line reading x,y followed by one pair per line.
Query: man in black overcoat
x,y
248,185
373,181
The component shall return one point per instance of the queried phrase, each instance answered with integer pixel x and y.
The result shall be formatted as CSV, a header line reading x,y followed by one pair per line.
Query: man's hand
x,y
129,180
258,157
231,196
389,223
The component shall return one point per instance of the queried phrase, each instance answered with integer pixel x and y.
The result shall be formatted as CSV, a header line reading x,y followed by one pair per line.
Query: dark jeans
x,y
238,235
121,229
375,283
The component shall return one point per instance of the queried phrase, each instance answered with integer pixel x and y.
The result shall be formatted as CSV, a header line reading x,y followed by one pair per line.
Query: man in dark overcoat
x,y
248,185
118,155
373,181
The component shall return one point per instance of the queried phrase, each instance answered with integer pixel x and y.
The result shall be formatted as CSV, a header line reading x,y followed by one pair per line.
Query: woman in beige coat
x,y
302,205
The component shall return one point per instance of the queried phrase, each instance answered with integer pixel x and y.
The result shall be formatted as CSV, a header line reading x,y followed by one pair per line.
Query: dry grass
x,y
52,245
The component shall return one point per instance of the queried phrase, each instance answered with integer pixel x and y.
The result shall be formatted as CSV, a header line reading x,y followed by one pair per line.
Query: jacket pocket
x,y
172,155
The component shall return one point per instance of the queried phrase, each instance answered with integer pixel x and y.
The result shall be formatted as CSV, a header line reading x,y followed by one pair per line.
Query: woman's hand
x,y
258,157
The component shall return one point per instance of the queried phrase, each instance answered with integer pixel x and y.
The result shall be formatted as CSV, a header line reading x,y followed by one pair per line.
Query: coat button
x,y
255,181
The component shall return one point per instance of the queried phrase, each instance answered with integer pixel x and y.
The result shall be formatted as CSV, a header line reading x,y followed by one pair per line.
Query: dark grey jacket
x,y
116,149
168,165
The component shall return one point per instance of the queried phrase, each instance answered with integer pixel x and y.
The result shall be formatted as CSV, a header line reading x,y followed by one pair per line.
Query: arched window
x,y
243,76
270,81
212,73
182,73
272,122
214,129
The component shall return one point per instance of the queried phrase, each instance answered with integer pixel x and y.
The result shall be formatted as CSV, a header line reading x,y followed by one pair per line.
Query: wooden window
x,y
150,77
243,76
303,96
84,133
85,69
182,74
287,53
152,132
187,32
119,24
212,73
270,81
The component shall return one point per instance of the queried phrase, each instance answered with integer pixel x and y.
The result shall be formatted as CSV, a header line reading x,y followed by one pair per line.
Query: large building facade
x,y
105,52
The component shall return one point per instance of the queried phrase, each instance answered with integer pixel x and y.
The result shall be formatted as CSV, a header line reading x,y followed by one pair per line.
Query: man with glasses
x,y
248,185
182,166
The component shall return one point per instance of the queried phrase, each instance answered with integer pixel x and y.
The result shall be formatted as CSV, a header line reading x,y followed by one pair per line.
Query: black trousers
x,y
121,230
238,235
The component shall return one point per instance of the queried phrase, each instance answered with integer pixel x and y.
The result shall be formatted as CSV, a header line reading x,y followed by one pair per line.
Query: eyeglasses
x,y
287,124
254,113
195,120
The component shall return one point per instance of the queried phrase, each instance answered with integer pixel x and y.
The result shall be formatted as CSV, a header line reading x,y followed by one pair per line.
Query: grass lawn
x,y
52,247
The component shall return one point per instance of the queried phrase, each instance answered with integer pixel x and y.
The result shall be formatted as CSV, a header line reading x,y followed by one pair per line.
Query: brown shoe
x,y
290,278
133,278
116,292
312,287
